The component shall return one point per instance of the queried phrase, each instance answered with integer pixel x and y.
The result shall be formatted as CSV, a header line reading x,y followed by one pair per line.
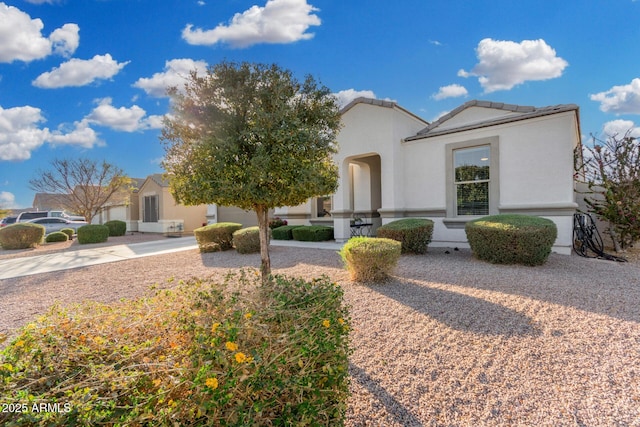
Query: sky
x,y
87,78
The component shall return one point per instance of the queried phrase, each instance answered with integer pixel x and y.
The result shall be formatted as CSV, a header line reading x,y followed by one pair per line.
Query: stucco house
x,y
482,158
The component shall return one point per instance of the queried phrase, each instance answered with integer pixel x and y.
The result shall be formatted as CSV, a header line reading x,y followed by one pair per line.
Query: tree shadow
x,y
458,311
596,286
282,257
400,414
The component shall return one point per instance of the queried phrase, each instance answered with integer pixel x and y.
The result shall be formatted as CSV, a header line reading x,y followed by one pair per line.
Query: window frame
x,y
451,186
156,208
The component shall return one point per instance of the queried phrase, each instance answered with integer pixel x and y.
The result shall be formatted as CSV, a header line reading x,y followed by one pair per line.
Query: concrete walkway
x,y
25,266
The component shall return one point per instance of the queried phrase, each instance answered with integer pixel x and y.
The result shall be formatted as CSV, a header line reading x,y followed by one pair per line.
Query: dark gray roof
x,y
523,113
379,103
159,179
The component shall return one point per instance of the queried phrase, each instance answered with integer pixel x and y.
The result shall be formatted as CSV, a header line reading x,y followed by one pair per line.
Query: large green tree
x,y
252,136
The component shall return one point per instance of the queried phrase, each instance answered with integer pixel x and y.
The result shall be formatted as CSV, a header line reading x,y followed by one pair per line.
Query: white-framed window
x,y
472,180
472,177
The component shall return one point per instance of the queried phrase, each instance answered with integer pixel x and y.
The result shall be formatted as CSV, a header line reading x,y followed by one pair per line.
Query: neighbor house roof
x,y
380,103
49,201
519,112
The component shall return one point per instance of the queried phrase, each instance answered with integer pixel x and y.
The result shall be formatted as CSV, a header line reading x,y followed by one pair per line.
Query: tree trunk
x,y
263,225
614,238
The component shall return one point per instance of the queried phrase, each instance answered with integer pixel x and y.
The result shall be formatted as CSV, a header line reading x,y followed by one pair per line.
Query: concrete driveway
x,y
25,266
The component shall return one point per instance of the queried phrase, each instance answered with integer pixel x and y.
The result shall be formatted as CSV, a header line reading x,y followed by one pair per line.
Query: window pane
x,y
473,198
323,206
472,164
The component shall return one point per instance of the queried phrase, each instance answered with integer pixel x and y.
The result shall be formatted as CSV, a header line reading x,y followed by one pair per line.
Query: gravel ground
x,y
450,341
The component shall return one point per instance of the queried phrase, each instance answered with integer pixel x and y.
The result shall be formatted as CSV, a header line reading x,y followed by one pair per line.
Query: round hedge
x,y
247,240
370,259
69,232
56,236
116,227
220,233
93,233
511,238
22,235
413,233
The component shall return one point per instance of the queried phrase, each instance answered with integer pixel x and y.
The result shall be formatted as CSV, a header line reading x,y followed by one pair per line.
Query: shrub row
x,y
56,236
22,235
511,239
413,233
198,354
312,233
216,236
283,232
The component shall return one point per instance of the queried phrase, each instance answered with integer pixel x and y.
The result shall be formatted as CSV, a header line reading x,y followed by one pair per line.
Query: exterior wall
x,y
233,214
535,172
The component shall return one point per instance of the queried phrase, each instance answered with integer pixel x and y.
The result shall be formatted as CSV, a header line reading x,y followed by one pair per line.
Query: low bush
x,y
116,227
277,222
22,235
247,240
370,259
196,355
220,233
284,232
413,233
512,239
56,236
69,232
312,233
209,247
93,233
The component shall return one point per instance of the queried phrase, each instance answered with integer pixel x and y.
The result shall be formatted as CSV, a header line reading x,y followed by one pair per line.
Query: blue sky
x,y
86,78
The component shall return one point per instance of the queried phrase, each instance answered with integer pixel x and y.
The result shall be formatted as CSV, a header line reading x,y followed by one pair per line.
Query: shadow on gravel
x,y
458,311
596,286
281,258
400,414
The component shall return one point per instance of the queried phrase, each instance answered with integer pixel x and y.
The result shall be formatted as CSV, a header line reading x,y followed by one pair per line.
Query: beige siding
x,y
233,214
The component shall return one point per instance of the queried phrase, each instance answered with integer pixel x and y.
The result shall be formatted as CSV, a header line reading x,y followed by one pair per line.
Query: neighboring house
x,y
159,213
482,158
49,201
124,206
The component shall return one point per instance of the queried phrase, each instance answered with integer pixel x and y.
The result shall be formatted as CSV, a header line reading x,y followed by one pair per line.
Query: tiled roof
x,y
521,113
379,103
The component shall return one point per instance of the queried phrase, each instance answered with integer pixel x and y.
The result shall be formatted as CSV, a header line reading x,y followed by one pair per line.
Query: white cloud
x,y
346,96
80,72
7,200
450,91
279,21
65,40
620,128
620,99
175,73
123,119
505,64
42,1
21,37
21,134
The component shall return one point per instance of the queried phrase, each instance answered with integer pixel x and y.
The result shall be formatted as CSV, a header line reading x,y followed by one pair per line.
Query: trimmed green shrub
x,y
512,239
69,232
370,259
56,236
284,232
196,355
220,233
247,240
22,235
312,233
116,227
93,233
413,233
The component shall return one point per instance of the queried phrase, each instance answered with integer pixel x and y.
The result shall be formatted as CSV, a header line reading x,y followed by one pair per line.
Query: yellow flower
x,y
20,343
215,327
157,382
212,383
240,357
248,316
231,346
326,323
341,320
